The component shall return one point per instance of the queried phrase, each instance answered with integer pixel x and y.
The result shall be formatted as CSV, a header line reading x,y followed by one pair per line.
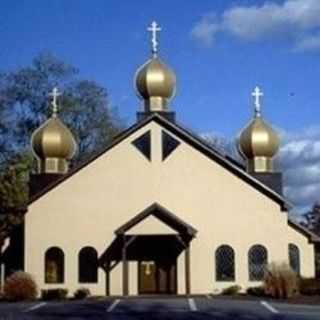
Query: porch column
x,y
107,274
187,268
125,271
125,265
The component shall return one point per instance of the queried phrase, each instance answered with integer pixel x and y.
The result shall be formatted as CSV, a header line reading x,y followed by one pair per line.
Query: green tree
x,y
86,112
312,222
13,193
24,106
312,219
223,145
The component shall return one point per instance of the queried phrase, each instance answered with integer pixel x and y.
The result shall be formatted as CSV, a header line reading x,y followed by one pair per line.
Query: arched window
x,y
294,258
225,264
88,265
258,260
54,265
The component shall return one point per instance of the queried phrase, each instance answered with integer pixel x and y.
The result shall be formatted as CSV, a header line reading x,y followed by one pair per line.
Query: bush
x,y
54,294
20,286
82,293
232,290
310,286
256,291
281,281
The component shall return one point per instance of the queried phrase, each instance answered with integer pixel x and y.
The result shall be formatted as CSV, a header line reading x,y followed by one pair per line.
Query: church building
x,y
158,211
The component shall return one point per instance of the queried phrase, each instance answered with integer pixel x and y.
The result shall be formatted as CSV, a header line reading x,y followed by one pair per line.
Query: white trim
x,y
35,307
269,307
192,305
113,305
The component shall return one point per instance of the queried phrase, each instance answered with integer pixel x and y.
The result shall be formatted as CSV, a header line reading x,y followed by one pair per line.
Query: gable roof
x,y
224,160
163,215
312,237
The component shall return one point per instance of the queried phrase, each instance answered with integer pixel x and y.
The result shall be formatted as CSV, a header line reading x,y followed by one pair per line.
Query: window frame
x,y
220,253
81,275
293,248
252,266
60,264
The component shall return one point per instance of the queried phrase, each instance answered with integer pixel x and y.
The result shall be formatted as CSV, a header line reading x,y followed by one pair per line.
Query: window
x,y
294,258
225,264
169,144
88,265
143,144
54,265
258,260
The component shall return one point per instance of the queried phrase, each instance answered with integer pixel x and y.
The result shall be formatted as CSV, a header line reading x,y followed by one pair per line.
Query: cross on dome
x,y
154,28
54,94
257,94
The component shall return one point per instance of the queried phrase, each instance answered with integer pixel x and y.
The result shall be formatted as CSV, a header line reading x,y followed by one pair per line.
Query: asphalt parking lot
x,y
180,308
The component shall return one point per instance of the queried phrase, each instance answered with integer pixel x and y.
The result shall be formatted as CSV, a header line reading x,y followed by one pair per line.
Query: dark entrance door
x,y
157,277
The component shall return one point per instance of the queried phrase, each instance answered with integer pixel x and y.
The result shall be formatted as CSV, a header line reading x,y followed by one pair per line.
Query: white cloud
x,y
309,43
294,19
306,150
205,30
299,160
308,174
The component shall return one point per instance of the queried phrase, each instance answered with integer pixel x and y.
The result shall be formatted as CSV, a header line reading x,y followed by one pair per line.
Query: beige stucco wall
x,y
87,208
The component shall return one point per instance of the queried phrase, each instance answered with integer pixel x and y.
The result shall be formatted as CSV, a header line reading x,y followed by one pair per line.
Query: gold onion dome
x,y
53,143
155,82
258,142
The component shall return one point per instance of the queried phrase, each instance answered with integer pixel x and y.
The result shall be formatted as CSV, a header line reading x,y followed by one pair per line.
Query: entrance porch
x,y
156,254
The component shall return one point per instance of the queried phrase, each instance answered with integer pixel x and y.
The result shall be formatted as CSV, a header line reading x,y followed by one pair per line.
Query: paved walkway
x,y
191,308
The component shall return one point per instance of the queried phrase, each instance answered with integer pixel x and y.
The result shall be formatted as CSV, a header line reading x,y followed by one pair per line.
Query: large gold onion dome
x,y
53,141
258,142
155,82
155,79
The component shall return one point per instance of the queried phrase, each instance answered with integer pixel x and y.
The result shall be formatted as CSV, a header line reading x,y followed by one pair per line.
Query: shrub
x,y
310,286
20,286
281,281
256,291
54,294
82,293
232,290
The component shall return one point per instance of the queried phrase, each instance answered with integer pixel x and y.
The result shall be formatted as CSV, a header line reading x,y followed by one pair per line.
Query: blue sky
x,y
107,40
219,50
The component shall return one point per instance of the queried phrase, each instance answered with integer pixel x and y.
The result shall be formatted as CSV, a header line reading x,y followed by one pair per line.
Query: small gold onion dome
x,y
54,145
258,143
155,84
